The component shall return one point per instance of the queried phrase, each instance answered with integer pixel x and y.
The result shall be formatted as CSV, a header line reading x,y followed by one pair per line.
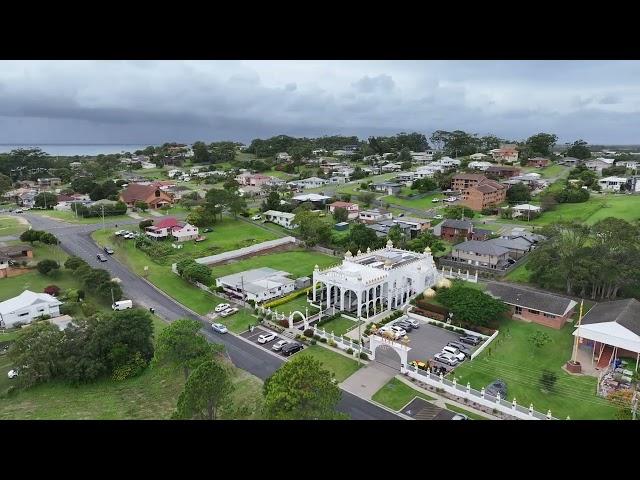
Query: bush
x,y
316,337
331,343
323,340
350,351
364,356
45,267
144,224
286,298
309,333
52,290
284,323
313,341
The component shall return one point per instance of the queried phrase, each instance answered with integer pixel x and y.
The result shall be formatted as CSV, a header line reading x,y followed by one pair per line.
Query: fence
x,y
478,397
343,343
241,252
484,345
444,324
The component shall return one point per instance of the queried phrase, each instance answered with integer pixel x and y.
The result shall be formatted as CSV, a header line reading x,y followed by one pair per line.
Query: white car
x,y
446,358
256,217
12,373
228,311
218,327
222,307
438,217
266,337
453,351
435,200
278,345
119,232
399,331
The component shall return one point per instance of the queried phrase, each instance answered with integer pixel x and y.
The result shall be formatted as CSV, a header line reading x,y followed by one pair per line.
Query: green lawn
x,y
553,171
519,274
511,357
341,366
298,263
340,326
423,203
152,395
11,226
471,415
297,304
396,394
70,217
238,322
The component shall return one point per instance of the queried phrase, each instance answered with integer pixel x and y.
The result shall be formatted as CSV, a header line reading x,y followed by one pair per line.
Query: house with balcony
x,y
454,230
538,162
258,284
613,184
353,209
507,153
374,215
311,182
478,255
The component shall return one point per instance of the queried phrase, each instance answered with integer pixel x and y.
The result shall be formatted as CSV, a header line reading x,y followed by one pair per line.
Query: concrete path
x,y
156,214
134,215
368,380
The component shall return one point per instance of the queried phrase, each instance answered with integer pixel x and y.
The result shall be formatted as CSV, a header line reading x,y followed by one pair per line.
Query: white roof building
x,y
525,207
259,284
369,283
284,219
311,182
612,183
479,165
27,306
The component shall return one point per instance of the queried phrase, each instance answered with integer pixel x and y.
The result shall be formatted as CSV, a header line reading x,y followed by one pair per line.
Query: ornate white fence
x,y
479,397
343,343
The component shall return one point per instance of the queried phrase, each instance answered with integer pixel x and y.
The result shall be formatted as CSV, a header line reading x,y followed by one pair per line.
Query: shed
x,y
342,226
303,282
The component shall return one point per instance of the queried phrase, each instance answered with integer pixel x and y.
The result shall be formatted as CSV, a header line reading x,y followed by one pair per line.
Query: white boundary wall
x,y
241,252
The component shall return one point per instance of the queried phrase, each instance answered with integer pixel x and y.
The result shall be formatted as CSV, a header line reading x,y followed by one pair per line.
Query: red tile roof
x,y
167,222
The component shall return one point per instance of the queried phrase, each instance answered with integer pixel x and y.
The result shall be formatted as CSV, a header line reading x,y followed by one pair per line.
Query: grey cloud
x,y
290,87
382,83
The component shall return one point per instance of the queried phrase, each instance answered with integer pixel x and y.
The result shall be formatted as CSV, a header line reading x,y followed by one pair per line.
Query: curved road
x,y
76,240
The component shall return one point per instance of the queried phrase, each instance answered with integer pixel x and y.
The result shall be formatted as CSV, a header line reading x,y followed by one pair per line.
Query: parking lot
x,y
257,331
420,409
428,340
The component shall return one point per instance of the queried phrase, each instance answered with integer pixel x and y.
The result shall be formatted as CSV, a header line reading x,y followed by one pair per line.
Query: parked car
x,y
228,311
12,373
256,217
435,200
413,322
278,345
404,325
454,352
446,358
291,348
119,233
438,217
109,250
218,327
460,416
495,387
122,305
266,337
101,257
461,347
470,340
399,331
222,307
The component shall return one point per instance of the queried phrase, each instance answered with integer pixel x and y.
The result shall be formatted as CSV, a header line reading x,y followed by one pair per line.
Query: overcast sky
x,y
151,102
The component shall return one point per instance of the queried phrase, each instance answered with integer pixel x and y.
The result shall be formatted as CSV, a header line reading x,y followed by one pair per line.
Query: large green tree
x,y
579,150
301,389
470,305
38,350
311,228
518,193
46,200
207,390
541,144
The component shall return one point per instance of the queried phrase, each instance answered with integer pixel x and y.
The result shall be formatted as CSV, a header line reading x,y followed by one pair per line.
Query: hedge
x,y
286,298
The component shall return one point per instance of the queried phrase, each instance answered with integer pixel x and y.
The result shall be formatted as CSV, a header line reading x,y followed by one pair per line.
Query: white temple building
x,y
367,284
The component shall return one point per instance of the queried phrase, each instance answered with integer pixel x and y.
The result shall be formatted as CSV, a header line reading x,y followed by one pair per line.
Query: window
x,y
535,312
518,310
23,314
550,315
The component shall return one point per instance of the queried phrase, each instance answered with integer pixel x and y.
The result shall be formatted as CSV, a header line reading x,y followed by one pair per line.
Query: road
x,y
76,240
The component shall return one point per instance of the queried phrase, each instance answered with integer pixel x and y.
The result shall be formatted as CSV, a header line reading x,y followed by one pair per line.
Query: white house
x,y
284,219
525,209
449,162
612,183
392,167
374,216
147,165
375,281
478,156
174,173
429,170
283,156
311,182
422,157
259,284
479,165
353,209
185,232
27,306
599,164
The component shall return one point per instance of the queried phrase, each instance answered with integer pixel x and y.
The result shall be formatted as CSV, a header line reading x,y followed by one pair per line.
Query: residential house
x,y
175,173
614,184
391,167
67,203
428,171
502,171
319,151
484,194
27,306
163,228
405,177
533,305
75,165
449,162
481,255
284,219
389,188
371,170
27,199
454,230
532,180
151,194
611,330
570,161
311,182
478,156
185,232
415,225
525,210
633,184
538,162
421,158
373,216
507,153
283,157
11,254
518,246
253,180
319,201
599,164
353,209
482,166
463,181
258,284
148,165
337,180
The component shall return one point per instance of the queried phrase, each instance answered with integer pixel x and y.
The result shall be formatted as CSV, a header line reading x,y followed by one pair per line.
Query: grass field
x,y
512,357
396,394
519,274
341,366
298,263
423,203
152,395
299,304
471,415
11,226
70,217
340,326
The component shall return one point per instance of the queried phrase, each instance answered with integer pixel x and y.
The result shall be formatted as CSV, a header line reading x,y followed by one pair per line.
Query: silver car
x,y
278,345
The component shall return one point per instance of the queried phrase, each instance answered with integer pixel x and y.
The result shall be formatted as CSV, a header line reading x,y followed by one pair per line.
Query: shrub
x,y
46,267
313,341
309,333
316,337
287,298
144,224
323,340
331,343
364,356
52,290
350,351
283,323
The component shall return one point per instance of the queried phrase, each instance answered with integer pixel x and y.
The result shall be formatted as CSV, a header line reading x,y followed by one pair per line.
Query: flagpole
x,y
575,343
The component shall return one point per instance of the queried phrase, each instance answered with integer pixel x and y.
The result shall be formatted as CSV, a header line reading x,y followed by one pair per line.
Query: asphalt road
x,y
76,240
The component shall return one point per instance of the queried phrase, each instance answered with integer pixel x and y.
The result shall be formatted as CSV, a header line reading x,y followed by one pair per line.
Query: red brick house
x,y
534,306
538,162
353,209
454,230
502,171
484,194
151,194
463,181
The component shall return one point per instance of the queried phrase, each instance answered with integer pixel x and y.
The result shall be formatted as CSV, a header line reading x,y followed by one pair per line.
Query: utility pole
x,y
112,298
574,356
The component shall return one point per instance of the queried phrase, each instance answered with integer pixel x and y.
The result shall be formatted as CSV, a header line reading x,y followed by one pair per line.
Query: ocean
x,y
75,149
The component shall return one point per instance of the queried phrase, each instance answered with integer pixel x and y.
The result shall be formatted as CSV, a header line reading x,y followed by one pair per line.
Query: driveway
x,y
368,380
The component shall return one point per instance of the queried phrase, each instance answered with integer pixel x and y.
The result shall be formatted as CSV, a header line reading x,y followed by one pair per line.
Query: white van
x,y
122,305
